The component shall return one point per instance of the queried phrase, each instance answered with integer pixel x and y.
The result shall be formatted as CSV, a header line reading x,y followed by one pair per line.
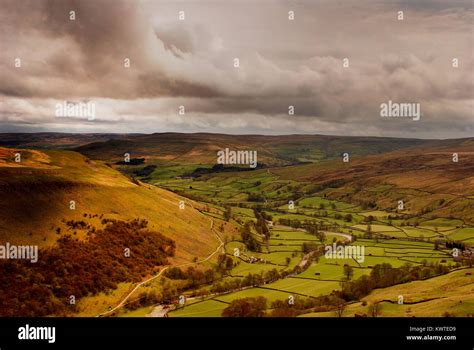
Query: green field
x,y
406,244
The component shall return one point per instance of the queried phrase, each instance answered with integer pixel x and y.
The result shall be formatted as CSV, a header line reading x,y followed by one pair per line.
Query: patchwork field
x,y
396,238
245,233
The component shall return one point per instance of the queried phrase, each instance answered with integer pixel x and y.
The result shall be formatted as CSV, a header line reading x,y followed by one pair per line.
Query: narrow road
x,y
124,300
345,235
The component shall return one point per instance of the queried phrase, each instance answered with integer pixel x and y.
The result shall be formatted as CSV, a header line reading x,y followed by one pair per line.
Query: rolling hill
x,y
380,172
37,193
272,150
450,294
424,177
49,140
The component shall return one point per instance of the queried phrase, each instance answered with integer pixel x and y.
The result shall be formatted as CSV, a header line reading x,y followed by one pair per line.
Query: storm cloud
x,y
283,63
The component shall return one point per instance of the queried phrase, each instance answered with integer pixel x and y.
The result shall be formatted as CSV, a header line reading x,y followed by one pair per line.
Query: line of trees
x,y
261,224
246,307
384,275
257,306
248,238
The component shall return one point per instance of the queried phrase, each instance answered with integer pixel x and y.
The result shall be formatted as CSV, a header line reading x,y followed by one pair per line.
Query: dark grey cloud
x,y
282,63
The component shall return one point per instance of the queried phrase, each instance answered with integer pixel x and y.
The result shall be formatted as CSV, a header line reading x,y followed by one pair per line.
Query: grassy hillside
x,y
431,186
272,150
36,195
451,294
381,171
425,178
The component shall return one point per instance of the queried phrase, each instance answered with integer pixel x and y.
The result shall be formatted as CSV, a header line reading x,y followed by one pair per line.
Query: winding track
x,y
124,300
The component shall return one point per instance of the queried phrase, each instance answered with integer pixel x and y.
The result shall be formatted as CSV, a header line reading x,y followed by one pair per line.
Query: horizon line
x,y
229,134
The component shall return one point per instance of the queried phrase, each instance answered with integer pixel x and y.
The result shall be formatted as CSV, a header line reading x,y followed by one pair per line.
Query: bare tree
x,y
340,310
375,309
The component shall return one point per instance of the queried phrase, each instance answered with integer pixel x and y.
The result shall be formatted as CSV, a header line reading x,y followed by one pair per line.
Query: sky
x,y
283,62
